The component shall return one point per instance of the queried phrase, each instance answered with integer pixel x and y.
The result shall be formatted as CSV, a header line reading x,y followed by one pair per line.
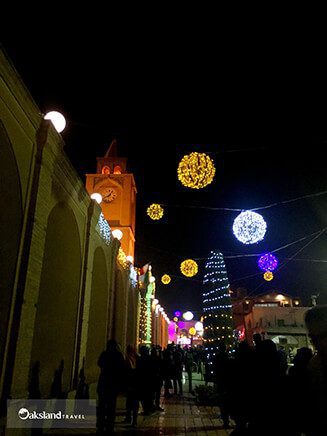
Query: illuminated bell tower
x,y
118,191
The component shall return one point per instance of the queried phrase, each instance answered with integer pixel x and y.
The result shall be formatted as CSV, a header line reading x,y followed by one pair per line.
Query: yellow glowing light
x,y
268,275
175,318
189,268
196,170
165,279
121,257
192,331
155,211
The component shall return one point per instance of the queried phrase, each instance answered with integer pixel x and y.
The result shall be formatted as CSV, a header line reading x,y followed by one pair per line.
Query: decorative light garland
x,y
217,321
196,170
155,211
268,262
165,279
189,268
104,229
249,227
268,276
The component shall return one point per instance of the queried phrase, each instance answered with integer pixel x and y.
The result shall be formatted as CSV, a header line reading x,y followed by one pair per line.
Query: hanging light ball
x,y
188,316
268,275
192,331
189,267
165,279
268,262
155,211
249,227
177,313
196,170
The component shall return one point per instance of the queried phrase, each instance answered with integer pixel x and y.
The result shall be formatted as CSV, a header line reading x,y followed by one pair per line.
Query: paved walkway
x,y
181,416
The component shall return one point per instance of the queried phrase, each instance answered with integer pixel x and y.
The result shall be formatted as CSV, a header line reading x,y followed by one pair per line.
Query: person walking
x,y
111,364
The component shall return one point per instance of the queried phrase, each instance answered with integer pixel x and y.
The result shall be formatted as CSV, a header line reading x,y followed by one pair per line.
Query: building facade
x,y
65,287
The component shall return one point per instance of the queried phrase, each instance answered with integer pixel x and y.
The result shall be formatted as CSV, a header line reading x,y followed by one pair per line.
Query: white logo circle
x,y
23,413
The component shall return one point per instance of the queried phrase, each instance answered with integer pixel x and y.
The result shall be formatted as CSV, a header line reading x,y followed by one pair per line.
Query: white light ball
x,y
249,227
130,259
152,279
97,197
57,119
188,316
198,326
118,234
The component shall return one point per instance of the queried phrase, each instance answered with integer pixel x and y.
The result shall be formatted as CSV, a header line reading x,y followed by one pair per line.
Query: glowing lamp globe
x,y
196,170
268,276
198,326
165,279
175,319
57,119
188,316
249,227
97,197
192,331
268,262
130,259
189,268
152,279
155,211
177,313
118,234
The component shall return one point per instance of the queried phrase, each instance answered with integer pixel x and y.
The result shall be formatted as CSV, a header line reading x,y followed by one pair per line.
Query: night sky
x,y
265,131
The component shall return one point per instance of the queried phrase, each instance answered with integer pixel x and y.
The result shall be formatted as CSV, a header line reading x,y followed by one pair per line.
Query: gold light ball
x,y
192,331
196,170
155,211
165,279
189,268
268,275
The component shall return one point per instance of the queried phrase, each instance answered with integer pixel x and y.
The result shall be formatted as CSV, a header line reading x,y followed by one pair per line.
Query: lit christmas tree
x,y
217,307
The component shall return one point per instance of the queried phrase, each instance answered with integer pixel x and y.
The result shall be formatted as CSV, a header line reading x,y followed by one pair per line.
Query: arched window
x,y
105,170
117,169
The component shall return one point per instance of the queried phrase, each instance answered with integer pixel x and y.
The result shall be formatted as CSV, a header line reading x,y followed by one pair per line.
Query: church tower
x,y
118,191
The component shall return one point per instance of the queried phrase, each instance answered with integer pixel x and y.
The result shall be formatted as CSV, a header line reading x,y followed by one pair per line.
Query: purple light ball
x,y
268,262
177,313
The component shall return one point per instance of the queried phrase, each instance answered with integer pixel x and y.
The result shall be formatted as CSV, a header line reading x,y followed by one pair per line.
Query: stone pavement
x,y
181,416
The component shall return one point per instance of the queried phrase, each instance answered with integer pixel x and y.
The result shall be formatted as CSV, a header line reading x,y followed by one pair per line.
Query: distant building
x,y
276,316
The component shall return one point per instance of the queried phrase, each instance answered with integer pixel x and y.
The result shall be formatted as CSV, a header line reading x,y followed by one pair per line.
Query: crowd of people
x,y
266,396
141,376
256,387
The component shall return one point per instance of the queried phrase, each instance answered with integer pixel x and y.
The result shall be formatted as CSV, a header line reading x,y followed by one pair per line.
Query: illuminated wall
x,y
59,274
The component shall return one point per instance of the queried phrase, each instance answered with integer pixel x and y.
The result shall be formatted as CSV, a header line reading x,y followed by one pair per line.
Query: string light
x,y
165,279
268,262
104,229
249,227
196,170
217,321
155,211
268,276
189,268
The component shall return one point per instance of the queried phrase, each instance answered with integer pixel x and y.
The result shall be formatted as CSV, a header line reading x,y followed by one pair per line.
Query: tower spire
x,y
112,150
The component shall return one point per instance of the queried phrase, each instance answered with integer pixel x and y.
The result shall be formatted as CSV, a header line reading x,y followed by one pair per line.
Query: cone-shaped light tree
x,y
217,307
